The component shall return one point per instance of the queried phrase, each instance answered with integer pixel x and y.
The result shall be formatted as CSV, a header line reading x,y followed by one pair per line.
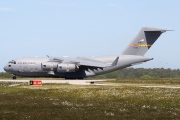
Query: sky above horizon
x,y
87,28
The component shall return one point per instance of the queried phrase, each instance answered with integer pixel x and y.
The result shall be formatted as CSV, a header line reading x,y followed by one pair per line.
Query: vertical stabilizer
x,y
143,41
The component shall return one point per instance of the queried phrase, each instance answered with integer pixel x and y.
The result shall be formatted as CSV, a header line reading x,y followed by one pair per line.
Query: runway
x,y
73,82
90,82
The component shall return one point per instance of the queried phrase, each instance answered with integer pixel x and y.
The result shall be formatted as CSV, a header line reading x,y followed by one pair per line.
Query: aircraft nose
x,y
5,68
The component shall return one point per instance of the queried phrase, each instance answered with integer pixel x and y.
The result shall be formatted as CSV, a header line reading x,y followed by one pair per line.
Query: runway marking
x,y
13,85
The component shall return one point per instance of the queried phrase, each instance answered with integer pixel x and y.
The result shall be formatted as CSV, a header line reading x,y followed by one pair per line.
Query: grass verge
x,y
63,101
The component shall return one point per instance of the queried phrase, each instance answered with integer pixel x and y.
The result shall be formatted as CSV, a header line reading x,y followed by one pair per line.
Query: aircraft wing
x,y
82,61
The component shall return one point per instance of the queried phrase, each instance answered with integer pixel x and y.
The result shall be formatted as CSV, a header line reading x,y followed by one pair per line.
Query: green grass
x,y
63,101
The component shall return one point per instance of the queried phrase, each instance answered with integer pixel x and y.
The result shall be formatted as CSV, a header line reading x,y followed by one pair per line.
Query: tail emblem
x,y
140,45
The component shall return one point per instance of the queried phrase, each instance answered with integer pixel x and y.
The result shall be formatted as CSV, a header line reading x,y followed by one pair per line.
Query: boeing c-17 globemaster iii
x,y
82,67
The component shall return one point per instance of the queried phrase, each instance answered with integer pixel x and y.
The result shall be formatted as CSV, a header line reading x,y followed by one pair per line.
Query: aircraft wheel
x,y
14,77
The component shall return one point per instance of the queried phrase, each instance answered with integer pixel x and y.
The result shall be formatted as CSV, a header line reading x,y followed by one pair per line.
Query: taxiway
x,y
74,82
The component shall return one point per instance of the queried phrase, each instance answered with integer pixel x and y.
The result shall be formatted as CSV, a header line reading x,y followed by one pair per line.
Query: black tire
x,y
14,77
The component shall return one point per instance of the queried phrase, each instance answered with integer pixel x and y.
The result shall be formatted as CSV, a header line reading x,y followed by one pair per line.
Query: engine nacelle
x,y
49,66
67,68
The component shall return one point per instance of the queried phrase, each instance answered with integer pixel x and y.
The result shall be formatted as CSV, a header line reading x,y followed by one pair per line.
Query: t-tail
x,y
143,41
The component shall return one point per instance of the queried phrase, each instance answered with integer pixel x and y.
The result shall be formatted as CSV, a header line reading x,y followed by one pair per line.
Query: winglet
x,y
115,62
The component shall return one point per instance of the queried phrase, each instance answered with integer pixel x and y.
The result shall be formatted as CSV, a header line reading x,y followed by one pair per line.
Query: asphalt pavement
x,y
76,82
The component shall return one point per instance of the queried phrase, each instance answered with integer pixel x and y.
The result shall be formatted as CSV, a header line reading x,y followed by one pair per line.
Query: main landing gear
x,y
14,77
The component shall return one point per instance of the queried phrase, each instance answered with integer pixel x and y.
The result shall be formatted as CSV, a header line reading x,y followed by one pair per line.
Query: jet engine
x,y
47,66
67,68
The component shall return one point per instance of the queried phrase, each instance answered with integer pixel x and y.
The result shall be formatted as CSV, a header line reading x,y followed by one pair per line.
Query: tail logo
x,y
140,45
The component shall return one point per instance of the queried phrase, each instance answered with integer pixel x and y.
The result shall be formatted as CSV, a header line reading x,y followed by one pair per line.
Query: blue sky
x,y
87,28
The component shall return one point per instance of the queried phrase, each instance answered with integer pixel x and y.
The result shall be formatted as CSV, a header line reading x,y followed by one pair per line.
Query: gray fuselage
x,y
32,67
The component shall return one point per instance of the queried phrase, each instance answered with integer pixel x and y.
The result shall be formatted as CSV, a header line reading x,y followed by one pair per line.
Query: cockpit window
x,y
12,62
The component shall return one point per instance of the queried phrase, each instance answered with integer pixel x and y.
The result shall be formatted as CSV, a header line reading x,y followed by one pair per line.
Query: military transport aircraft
x,y
81,67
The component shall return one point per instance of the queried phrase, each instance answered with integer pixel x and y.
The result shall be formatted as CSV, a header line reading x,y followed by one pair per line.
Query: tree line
x,y
142,73
131,73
